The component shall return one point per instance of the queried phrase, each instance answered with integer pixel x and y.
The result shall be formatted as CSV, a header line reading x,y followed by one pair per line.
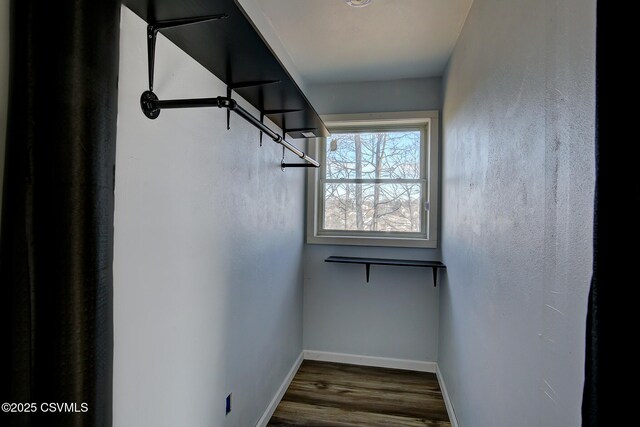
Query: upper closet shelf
x,y
234,51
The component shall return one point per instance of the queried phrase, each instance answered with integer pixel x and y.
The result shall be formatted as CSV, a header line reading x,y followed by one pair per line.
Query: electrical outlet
x,y
228,405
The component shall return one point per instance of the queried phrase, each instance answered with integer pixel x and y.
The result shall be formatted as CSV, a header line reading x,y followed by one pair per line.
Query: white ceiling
x,y
329,41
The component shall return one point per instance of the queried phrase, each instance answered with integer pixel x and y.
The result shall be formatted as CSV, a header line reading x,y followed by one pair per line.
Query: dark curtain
x,y
57,221
609,361
590,399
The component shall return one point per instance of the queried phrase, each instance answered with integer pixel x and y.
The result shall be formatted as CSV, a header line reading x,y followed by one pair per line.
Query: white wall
x,y
4,85
518,169
396,314
208,253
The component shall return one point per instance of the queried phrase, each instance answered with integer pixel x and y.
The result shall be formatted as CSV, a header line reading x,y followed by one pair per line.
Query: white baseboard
x,y
264,420
380,362
447,401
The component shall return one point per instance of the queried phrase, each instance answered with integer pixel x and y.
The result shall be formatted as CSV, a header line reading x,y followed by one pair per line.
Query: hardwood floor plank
x,y
302,414
336,394
385,401
362,376
400,375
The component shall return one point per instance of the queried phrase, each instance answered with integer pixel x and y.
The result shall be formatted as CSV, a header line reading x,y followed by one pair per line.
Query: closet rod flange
x,y
148,104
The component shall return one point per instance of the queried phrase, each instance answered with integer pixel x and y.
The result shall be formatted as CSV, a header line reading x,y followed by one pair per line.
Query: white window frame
x,y
428,120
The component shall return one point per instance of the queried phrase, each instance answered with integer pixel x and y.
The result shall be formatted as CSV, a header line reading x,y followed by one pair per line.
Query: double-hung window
x,y
377,184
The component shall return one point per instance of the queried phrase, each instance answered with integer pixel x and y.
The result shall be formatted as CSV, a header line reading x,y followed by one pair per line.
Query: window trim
x,y
420,127
349,122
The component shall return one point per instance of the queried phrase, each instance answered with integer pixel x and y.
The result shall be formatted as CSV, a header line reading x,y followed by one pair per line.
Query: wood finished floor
x,y
336,394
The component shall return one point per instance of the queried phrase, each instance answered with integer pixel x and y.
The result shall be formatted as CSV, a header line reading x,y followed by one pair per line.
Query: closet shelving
x,y
220,36
368,262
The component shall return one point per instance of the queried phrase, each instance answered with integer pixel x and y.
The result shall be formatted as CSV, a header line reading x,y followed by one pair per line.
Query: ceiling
x,y
328,41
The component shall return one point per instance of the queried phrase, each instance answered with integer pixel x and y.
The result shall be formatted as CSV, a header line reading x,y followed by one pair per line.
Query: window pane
x,y
388,207
375,155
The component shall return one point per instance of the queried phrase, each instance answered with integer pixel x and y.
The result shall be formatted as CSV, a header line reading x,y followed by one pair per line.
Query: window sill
x,y
372,241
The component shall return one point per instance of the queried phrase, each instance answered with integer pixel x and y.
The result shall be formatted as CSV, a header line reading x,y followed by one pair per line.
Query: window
x,y
377,184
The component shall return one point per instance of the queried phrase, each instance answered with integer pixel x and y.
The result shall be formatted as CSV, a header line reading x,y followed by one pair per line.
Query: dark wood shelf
x,y
434,265
235,52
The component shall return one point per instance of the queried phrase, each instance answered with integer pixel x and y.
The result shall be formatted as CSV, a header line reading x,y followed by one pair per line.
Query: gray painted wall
x,y
4,85
396,314
518,169
208,253
372,97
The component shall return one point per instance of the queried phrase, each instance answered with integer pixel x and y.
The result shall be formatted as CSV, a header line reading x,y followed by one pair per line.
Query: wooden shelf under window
x,y
434,265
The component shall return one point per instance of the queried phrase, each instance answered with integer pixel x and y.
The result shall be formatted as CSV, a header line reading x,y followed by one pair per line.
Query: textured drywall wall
x,y
4,85
373,97
208,253
517,196
396,314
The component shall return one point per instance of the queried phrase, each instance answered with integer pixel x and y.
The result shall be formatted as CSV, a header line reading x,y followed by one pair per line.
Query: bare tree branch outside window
x,y
374,182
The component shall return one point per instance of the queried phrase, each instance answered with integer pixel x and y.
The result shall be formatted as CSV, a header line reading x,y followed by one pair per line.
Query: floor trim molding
x,y
264,420
447,400
380,362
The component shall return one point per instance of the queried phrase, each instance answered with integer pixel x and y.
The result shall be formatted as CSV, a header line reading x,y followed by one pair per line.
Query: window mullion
x,y
372,181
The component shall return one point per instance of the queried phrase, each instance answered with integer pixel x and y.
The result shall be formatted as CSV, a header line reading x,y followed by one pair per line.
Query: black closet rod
x,y
151,106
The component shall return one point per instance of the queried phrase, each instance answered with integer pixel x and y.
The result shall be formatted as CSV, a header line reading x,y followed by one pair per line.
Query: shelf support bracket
x,y
229,93
433,265
234,86
301,129
152,35
273,112
261,121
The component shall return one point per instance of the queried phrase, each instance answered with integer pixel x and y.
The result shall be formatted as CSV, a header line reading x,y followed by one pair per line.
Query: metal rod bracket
x,y
152,33
261,121
151,107
284,165
148,101
229,93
